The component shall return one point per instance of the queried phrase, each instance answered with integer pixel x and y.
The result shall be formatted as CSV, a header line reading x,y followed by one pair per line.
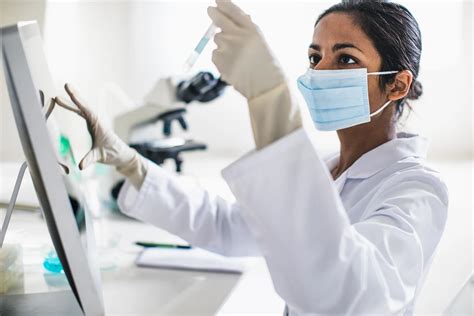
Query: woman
x,y
352,234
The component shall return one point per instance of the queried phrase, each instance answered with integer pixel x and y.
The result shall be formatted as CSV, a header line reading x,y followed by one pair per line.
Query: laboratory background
x,y
115,52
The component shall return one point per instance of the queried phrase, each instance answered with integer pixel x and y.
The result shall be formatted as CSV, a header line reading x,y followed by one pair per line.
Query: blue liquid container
x,y
51,262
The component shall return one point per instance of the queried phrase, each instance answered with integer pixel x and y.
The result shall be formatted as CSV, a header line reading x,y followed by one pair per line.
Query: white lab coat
x,y
359,245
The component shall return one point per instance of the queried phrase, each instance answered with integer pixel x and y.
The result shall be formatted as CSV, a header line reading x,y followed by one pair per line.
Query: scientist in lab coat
x,y
352,233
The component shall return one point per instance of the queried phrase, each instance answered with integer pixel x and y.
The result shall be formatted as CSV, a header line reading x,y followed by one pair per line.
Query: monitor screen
x,y
48,154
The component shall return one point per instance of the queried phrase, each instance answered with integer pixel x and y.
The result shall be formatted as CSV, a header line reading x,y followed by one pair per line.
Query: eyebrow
x,y
336,47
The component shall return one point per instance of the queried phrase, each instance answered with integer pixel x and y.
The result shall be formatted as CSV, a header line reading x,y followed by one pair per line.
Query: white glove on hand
x,y
245,61
242,56
107,147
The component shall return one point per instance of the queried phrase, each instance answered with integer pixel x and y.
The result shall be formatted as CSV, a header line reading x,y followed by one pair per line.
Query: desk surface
x,y
129,289
149,291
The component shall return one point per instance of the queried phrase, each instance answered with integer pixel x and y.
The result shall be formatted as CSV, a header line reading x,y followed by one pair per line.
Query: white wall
x,y
12,11
87,44
444,113
102,45
98,45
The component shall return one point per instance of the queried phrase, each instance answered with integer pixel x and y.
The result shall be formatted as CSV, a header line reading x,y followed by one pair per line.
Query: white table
x,y
130,290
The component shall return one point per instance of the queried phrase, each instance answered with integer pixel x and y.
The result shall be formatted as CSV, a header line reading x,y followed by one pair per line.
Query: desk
x,y
131,290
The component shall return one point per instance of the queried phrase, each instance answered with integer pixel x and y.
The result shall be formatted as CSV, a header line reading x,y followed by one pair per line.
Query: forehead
x,y
341,28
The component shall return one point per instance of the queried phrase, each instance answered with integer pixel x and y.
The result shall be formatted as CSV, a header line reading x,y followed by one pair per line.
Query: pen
x,y
158,245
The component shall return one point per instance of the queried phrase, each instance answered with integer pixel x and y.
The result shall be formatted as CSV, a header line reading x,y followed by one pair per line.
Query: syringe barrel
x,y
210,32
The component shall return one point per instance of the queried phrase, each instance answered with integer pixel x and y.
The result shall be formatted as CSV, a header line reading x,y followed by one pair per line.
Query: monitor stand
x,y
11,205
40,304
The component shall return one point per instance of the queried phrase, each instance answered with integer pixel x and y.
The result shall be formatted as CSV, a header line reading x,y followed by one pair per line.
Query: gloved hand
x,y
246,62
107,147
243,57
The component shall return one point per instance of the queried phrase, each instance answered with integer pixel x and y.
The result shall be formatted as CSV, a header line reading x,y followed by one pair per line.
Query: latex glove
x,y
245,61
107,147
274,115
243,57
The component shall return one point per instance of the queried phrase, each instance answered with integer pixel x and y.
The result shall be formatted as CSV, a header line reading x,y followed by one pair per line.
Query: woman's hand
x,y
242,56
246,62
107,147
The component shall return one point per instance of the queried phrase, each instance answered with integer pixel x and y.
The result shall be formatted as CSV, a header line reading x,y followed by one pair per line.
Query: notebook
x,y
194,259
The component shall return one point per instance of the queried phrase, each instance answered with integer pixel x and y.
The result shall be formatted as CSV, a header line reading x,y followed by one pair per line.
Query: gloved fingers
x,y
41,93
227,45
80,104
64,105
50,108
221,20
221,61
216,59
64,167
233,12
91,157
226,51
219,39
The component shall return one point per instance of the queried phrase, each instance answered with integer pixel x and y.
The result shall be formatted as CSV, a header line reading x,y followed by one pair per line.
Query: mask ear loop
x,y
389,101
382,73
381,109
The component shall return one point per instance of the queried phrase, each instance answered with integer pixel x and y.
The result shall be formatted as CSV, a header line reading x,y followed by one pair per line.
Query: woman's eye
x,y
347,60
314,59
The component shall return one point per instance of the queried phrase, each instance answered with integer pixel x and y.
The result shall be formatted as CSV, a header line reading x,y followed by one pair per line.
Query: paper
x,y
188,259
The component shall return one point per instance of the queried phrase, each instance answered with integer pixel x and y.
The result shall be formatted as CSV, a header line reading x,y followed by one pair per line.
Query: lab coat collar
x,y
404,146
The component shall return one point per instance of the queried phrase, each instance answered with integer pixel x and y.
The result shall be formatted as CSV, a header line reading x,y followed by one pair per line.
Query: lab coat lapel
x,y
379,158
331,162
404,146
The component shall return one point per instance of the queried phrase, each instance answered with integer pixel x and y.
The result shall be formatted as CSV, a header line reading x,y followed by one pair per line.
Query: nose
x,y
324,64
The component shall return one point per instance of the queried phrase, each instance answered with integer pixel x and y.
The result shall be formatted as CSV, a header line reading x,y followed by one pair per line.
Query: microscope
x,y
164,105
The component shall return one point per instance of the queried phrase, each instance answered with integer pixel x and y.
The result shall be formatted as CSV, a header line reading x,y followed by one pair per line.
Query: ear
x,y
400,87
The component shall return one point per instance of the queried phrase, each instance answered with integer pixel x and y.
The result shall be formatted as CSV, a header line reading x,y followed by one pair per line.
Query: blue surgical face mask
x,y
338,99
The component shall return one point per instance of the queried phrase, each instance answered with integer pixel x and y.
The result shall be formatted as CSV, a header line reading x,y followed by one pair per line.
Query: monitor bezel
x,y
44,169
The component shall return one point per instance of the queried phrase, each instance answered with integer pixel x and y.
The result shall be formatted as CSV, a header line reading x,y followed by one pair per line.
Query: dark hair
x,y
395,34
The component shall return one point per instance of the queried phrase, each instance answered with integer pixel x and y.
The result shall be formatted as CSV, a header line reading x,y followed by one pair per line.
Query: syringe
x,y
211,31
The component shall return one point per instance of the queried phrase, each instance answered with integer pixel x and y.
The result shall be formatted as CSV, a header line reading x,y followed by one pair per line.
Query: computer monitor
x,y
29,85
